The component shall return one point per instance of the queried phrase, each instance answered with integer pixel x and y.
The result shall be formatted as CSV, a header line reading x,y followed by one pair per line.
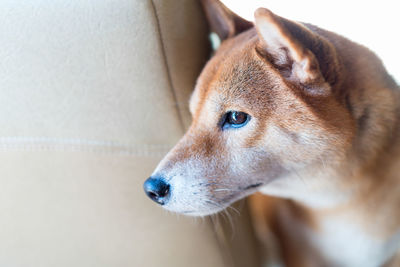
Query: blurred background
x,y
371,23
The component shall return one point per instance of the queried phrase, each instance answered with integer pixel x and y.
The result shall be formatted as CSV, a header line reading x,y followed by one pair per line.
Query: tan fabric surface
x,y
178,32
77,208
93,94
87,69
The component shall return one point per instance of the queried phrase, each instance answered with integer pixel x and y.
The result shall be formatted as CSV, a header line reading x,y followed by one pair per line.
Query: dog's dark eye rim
x,y
234,119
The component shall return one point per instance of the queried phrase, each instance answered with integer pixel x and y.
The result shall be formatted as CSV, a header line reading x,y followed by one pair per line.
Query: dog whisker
x,y
234,209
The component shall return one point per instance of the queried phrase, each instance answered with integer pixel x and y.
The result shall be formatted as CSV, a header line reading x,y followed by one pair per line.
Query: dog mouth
x,y
253,186
242,192
225,202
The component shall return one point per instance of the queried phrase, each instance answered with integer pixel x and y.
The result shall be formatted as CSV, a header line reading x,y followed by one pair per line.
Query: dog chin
x,y
198,213
204,210
201,213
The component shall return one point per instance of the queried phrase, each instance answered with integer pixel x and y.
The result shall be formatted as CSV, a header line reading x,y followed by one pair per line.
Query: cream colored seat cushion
x,y
93,94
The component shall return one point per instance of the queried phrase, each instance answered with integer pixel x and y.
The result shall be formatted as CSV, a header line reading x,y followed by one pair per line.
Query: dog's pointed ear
x,y
223,21
289,46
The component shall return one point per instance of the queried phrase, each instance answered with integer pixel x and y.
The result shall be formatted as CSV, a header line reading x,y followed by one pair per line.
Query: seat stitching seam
x,y
165,59
71,144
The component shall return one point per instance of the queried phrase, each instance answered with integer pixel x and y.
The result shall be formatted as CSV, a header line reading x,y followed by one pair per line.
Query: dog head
x,y
263,108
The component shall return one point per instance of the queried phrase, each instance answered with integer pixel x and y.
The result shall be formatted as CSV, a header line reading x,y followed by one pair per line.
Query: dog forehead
x,y
236,75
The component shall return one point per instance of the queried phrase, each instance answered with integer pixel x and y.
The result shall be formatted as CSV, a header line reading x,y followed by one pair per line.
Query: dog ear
x,y
289,46
223,21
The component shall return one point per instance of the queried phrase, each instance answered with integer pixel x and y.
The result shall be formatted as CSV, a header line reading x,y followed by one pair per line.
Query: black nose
x,y
157,189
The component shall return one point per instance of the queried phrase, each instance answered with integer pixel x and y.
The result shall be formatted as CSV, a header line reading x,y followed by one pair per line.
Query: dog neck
x,y
353,204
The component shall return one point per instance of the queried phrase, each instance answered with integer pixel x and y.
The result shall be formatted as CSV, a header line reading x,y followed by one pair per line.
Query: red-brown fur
x,y
355,75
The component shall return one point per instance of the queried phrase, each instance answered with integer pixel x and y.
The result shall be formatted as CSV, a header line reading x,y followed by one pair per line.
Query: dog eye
x,y
235,119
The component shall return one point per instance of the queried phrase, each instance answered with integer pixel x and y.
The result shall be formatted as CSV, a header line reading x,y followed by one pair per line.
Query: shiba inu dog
x,y
307,118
